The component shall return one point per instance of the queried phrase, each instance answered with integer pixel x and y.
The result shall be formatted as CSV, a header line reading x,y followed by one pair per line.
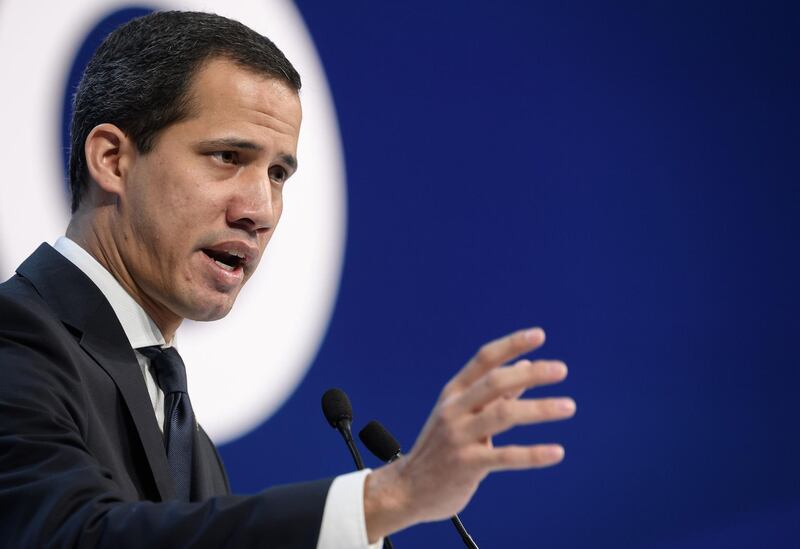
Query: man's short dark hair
x,y
139,78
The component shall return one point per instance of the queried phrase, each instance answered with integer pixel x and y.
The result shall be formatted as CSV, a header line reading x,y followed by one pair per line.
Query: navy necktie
x,y
179,423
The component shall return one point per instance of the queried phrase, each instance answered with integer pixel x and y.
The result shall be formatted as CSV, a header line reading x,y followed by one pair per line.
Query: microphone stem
x,y
343,427
354,452
465,537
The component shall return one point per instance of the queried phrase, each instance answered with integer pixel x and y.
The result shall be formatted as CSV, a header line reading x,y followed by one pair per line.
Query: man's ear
x,y
109,153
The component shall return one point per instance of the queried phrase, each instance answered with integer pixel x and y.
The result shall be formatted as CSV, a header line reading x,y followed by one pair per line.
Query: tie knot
x,y
168,366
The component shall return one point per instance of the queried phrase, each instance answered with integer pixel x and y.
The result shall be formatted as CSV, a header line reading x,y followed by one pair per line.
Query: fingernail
x,y
533,334
566,405
554,452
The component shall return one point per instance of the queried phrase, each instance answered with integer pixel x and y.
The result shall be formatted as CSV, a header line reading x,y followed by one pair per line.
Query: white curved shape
x,y
285,308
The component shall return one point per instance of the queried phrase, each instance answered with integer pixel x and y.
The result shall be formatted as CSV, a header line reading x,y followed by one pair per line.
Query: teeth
x,y
223,265
234,252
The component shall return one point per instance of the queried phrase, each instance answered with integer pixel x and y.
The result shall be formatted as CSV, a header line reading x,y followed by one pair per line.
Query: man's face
x,y
199,209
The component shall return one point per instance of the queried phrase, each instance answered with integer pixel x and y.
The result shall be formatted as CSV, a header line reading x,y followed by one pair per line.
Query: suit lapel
x,y
80,304
124,370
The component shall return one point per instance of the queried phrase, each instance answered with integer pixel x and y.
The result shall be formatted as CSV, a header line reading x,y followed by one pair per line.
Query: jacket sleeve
x,y
54,493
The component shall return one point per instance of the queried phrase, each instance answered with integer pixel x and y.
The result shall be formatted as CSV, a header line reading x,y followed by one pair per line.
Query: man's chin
x,y
207,312
210,317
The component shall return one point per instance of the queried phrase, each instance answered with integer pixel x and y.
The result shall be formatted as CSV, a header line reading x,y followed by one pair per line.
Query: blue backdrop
x,y
624,175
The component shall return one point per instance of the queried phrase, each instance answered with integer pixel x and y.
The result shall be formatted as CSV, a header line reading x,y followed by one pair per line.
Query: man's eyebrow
x,y
234,143
290,161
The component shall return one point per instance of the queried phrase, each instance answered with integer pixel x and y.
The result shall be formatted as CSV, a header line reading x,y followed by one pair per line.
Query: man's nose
x,y
251,207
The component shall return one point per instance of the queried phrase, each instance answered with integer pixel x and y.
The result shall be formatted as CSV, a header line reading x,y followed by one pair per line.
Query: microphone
x,y
380,442
385,447
339,413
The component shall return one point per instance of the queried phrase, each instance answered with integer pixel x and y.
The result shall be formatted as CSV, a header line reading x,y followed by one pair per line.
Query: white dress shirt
x,y
343,525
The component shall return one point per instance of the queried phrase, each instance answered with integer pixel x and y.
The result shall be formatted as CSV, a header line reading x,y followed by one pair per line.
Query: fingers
x,y
514,394
508,458
505,414
495,354
511,380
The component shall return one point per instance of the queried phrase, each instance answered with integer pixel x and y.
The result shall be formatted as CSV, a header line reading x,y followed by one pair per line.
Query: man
x,y
184,133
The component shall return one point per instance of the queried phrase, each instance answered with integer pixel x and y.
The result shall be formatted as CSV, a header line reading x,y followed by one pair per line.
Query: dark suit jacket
x,y
82,461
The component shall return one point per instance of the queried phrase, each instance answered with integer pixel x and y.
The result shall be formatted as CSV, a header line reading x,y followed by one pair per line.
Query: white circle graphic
x,y
243,367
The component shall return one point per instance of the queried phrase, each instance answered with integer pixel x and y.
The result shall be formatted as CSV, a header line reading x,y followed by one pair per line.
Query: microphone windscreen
x,y
379,441
336,406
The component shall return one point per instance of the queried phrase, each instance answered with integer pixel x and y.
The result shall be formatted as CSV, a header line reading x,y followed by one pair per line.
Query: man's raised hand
x,y
454,451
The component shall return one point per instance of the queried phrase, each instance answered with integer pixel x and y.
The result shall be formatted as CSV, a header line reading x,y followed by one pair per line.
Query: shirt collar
x,y
139,328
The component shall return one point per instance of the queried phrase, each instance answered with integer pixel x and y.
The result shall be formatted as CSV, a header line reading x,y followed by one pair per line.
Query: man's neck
x,y
100,245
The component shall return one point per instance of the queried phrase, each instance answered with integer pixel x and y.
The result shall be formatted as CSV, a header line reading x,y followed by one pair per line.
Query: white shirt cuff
x,y
343,524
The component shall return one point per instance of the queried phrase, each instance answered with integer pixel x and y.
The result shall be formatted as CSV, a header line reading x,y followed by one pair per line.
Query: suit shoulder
x,y
34,343
23,311
38,360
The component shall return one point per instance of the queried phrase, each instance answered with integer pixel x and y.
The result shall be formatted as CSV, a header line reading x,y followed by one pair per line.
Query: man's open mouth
x,y
228,260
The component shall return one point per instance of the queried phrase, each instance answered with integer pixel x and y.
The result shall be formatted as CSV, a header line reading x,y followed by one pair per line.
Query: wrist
x,y
387,501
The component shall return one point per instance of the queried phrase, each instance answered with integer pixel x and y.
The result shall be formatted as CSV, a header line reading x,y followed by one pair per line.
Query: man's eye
x,y
226,157
277,173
